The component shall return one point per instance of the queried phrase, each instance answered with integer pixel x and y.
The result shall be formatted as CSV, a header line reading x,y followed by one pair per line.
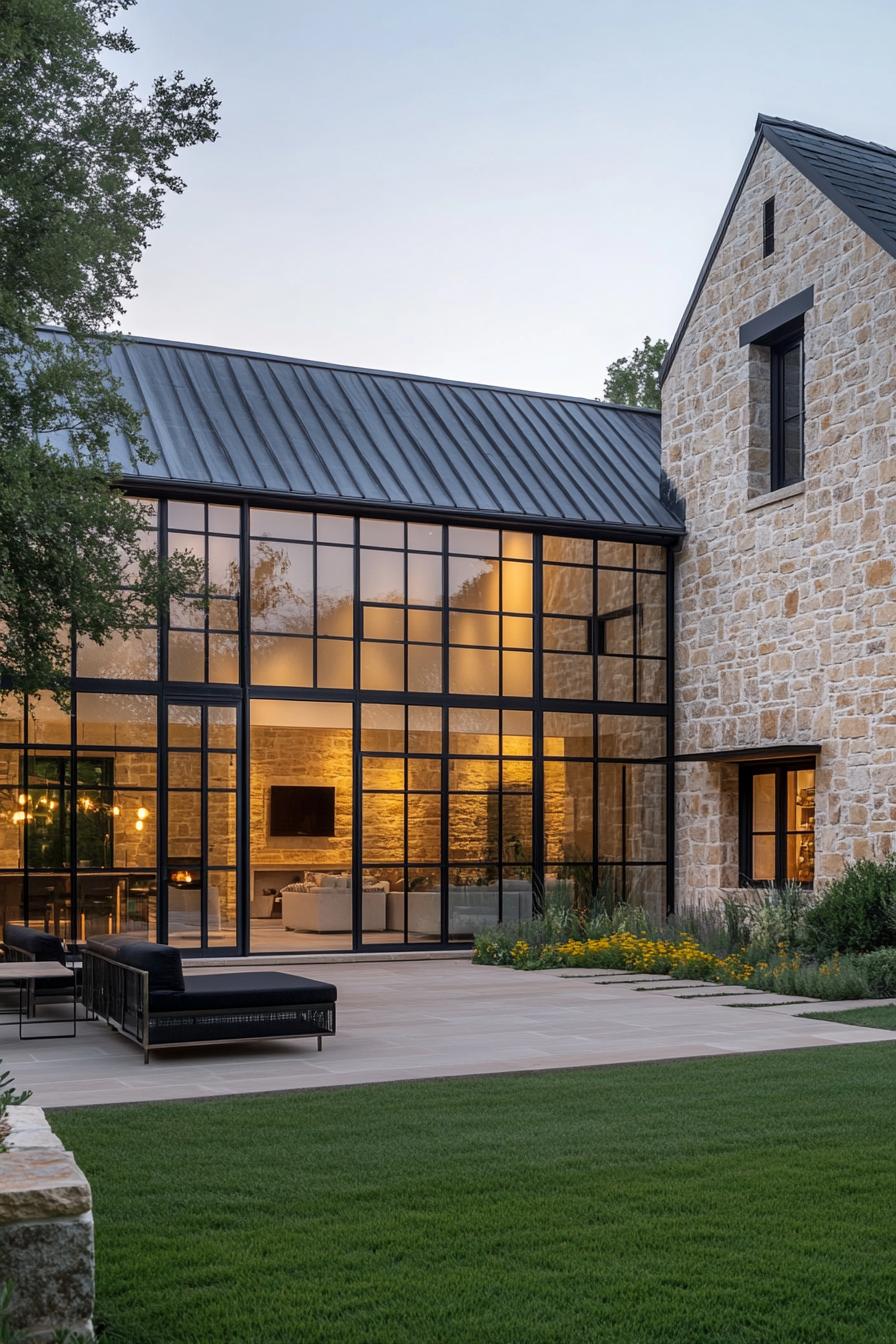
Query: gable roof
x,y
328,433
857,175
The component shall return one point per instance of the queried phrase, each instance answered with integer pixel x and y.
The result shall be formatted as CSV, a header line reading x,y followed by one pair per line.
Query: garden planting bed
x,y
839,946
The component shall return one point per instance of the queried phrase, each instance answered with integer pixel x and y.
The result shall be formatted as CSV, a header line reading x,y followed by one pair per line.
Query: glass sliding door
x,y
202,842
401,820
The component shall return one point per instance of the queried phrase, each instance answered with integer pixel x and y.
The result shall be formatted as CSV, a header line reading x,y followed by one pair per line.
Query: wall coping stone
x,y
46,1231
27,1127
40,1183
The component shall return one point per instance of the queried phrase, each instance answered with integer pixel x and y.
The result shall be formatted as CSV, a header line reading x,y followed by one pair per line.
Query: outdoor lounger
x,y
140,990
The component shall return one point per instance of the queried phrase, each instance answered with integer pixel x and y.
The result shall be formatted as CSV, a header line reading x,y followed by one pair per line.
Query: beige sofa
x,y
470,909
324,905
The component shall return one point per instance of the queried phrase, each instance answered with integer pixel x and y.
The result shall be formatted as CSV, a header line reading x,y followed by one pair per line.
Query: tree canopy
x,y
85,165
634,379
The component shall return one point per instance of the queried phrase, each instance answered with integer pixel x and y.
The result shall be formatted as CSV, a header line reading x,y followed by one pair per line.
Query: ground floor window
x,y
778,823
268,823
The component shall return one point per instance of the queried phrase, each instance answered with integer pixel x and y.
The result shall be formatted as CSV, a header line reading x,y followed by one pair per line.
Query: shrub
x,y
880,972
837,978
8,1097
857,913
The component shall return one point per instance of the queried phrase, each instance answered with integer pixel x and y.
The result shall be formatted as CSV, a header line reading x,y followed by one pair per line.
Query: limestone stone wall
x,y
46,1232
786,606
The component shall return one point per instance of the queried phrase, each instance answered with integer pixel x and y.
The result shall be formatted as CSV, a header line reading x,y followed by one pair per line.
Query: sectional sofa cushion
x,y
162,962
41,946
241,991
109,944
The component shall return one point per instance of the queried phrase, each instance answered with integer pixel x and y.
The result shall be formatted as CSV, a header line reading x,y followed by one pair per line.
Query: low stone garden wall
x,y
46,1233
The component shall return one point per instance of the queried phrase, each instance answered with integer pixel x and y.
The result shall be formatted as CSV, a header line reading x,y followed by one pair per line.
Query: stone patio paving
x,y
432,1019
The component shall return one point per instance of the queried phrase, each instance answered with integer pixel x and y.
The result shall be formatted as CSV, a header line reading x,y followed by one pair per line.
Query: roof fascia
x,y
152,487
710,256
827,188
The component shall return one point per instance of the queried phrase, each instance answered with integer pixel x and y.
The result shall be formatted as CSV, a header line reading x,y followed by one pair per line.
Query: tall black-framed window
x,y
786,440
777,823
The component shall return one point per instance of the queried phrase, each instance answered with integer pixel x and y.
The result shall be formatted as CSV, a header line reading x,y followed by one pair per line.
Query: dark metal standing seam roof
x,y
857,175
332,434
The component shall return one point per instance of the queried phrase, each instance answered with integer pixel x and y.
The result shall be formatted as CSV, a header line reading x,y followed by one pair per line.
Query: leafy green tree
x,y
634,381
85,166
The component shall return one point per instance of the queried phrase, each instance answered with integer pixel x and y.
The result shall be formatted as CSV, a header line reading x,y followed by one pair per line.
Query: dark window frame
x,y
633,613
779,476
588,624
768,227
647,557
780,770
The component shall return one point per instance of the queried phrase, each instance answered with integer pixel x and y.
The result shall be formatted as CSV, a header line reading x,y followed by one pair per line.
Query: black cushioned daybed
x,y
140,990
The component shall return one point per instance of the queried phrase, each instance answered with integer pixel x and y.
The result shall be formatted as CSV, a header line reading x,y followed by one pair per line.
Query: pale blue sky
x,y
500,190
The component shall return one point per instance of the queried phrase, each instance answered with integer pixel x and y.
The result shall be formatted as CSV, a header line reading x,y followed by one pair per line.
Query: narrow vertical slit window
x,y
768,227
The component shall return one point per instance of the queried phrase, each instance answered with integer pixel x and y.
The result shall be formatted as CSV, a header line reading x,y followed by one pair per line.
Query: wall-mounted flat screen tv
x,y
297,809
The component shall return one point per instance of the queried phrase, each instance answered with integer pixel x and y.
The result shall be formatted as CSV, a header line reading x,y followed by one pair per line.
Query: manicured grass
x,y
883,1017
744,1200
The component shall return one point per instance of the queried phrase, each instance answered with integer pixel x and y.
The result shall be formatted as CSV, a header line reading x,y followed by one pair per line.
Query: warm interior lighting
x,y
142,813
18,817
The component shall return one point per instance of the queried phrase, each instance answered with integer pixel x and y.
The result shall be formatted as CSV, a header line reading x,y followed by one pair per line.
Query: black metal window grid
x,y
633,631
203,637
604,621
79,807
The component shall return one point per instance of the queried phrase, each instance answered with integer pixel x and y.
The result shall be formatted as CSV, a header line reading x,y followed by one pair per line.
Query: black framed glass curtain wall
x,y
376,732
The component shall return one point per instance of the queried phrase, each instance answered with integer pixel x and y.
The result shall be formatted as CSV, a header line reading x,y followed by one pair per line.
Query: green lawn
x,y
884,1017
716,1201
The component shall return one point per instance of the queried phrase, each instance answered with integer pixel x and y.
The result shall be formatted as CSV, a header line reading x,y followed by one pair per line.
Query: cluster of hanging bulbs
x,y
85,803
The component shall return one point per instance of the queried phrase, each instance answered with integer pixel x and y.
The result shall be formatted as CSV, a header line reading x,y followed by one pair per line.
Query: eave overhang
x,y
778,751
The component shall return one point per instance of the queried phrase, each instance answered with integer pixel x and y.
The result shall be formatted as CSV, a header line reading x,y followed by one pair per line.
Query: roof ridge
x,y
804,126
773,131
126,338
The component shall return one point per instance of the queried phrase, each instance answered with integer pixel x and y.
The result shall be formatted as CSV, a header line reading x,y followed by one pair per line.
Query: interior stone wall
x,y
300,756
786,606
